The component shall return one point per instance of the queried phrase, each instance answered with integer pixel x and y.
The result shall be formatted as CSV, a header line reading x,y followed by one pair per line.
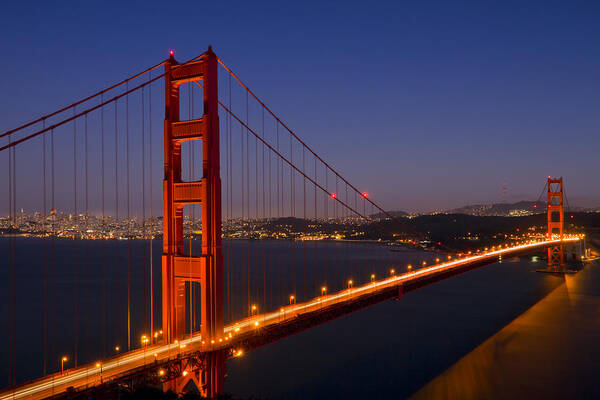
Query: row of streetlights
x,y
254,307
144,341
254,311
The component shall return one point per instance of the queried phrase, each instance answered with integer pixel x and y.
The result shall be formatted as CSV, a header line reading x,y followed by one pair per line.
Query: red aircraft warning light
x,y
171,52
333,195
365,194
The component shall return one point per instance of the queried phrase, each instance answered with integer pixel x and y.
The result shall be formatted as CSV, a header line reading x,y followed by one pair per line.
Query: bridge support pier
x,y
206,377
185,384
213,375
400,292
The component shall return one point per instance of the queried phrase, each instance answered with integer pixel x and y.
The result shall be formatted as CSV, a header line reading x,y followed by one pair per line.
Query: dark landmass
x,y
455,231
501,209
508,209
395,214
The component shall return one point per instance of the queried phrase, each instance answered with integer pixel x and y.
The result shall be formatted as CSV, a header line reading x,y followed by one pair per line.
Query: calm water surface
x,y
393,349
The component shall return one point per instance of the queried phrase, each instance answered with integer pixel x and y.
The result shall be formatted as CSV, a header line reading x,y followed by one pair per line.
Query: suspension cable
x,y
302,142
113,99
101,92
292,166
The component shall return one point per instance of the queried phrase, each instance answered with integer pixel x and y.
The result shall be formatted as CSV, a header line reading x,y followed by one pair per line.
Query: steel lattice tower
x,y
177,267
555,213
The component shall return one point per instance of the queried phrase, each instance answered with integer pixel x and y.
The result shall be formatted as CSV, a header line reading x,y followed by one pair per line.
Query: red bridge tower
x,y
177,267
555,221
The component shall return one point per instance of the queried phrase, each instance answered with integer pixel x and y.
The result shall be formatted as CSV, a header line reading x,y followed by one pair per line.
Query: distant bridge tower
x,y
177,267
556,215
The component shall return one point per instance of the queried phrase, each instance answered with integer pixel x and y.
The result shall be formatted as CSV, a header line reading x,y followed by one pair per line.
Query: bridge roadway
x,y
261,329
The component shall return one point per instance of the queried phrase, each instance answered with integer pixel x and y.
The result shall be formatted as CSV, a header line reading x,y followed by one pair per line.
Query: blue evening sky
x,y
427,105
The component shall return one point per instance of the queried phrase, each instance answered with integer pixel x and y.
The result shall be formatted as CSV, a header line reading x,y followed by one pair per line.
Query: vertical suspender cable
x,y
278,205
14,264
263,212
247,161
292,186
326,195
116,222
11,333
256,216
191,221
293,214
248,198
226,225
315,268
278,161
304,216
150,189
45,357
86,201
144,232
243,191
270,191
75,252
326,199
229,202
104,277
335,212
128,227
52,246
256,176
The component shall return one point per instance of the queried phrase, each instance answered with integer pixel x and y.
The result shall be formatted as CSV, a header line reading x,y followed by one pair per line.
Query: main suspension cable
x,y
100,93
87,111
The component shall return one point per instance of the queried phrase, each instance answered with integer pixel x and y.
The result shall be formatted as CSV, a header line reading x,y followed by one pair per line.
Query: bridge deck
x,y
249,333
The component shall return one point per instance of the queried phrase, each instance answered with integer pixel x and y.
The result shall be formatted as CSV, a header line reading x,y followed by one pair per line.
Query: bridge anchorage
x,y
178,268
558,254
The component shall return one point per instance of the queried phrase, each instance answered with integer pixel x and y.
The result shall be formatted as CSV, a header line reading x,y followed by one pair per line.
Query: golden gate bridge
x,y
227,153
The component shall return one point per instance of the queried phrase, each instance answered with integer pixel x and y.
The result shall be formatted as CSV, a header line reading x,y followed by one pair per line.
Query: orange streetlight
x,y
372,277
144,340
99,365
323,290
292,299
350,284
253,309
392,271
63,360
